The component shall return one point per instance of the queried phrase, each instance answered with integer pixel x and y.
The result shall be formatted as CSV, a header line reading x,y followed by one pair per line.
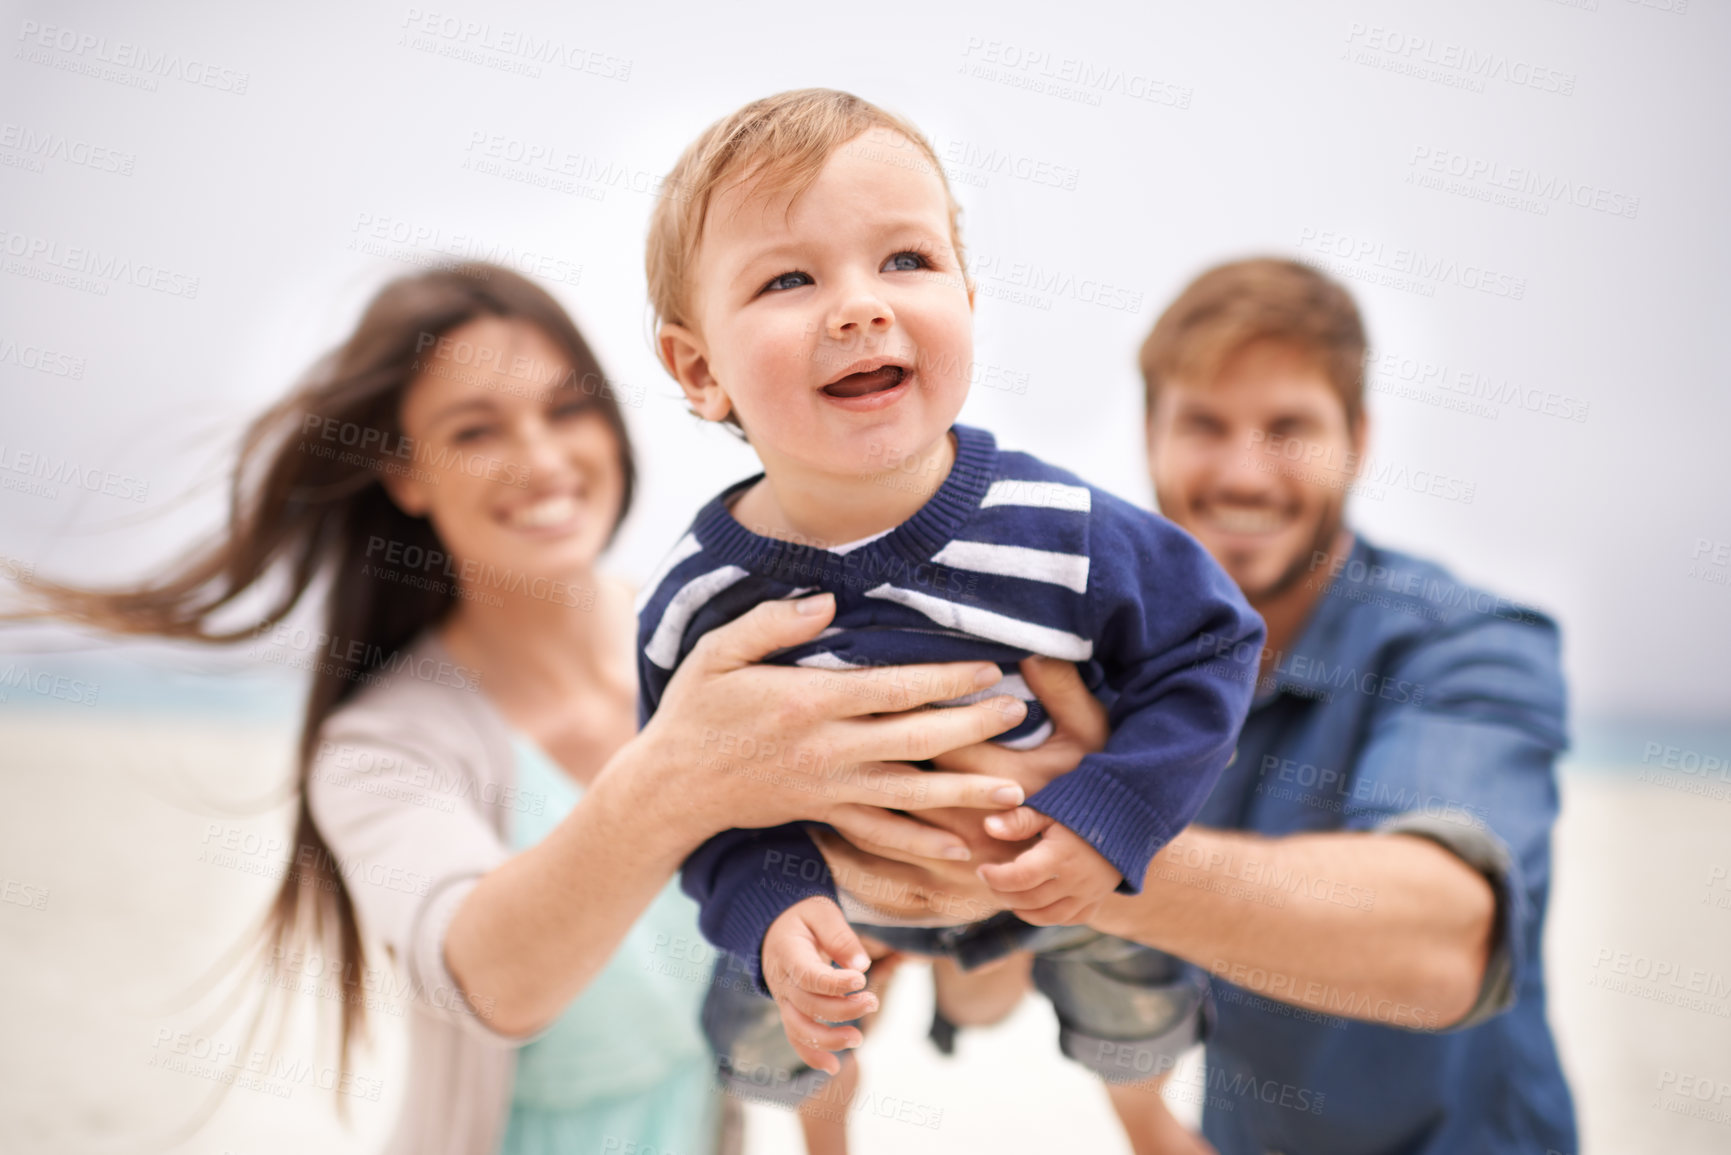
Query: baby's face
x,y
840,331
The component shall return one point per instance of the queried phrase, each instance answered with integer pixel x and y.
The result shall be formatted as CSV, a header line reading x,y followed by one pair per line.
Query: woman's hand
x,y
1078,729
739,744
887,864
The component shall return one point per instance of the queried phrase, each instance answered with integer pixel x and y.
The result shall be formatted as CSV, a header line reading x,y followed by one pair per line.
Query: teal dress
x,y
625,1068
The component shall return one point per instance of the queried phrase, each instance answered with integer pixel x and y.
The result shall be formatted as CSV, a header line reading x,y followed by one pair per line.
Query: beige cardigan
x,y
413,787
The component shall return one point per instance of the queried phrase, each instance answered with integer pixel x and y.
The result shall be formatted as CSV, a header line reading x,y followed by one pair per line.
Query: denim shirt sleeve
x,y
1469,763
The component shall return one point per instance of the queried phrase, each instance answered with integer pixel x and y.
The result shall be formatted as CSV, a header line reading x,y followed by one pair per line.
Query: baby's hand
x,y
811,993
1059,881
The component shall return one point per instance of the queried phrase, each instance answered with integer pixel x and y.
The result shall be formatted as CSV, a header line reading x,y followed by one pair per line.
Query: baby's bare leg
x,y
823,1114
1149,1124
981,997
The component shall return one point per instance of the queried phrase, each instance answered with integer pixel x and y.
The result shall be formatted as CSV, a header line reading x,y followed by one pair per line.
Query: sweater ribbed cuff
x,y
1110,817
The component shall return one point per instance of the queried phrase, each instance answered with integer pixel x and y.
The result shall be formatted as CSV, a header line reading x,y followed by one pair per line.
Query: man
x,y
1366,887
1394,701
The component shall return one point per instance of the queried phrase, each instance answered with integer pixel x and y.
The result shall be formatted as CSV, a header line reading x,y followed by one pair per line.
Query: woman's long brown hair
x,y
311,516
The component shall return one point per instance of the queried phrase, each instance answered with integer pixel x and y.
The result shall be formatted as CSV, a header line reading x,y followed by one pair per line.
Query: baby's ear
x,y
685,356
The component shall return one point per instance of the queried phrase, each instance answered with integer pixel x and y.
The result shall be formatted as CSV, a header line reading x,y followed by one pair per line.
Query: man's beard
x,y
1327,529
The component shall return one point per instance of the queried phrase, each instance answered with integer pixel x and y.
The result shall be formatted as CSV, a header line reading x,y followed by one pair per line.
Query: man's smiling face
x,y
1256,464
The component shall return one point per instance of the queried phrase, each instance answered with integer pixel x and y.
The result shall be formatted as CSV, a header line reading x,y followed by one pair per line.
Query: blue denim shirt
x,y
1411,702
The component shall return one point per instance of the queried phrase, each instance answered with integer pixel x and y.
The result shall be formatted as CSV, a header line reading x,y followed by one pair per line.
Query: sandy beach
x,y
136,849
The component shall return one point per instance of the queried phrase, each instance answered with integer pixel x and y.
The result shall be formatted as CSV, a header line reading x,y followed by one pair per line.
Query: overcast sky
x,y
1527,196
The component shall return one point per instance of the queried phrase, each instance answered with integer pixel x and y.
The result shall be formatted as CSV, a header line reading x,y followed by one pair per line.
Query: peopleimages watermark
x,y
40,359
382,989
237,847
734,752
1337,790
1283,987
1448,63
414,565
18,678
530,376
1267,883
1705,1097
1362,473
1066,77
1464,389
1399,267
29,148
1711,562
1420,590
970,163
1705,775
1661,980
352,443
389,773
689,958
427,246
1301,674
278,1075
837,355
1513,186
21,893
40,474
88,269
121,61
1038,286
17,569
1136,1059
503,48
1718,891
557,169
361,661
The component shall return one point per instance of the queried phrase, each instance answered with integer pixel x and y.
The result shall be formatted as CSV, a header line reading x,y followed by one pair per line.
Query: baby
x,y
809,285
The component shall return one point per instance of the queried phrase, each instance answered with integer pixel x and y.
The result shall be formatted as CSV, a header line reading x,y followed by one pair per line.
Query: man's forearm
x,y
1385,927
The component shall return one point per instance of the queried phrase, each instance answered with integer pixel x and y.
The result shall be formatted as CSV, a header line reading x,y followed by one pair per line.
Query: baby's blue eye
x,y
905,263
788,281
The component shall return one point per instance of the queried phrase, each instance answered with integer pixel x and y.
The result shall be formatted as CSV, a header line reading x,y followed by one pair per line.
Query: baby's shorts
x,y
1125,1011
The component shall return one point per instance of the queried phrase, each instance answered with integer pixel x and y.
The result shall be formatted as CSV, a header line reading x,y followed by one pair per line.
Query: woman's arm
x,y
536,929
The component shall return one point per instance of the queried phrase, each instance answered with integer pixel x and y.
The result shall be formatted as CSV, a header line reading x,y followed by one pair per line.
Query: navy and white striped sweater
x,y
1010,557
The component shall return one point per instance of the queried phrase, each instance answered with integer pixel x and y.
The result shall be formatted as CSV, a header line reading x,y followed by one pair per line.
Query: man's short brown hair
x,y
1237,304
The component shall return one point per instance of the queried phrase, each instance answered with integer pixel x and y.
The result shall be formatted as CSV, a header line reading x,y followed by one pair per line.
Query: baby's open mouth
x,y
860,384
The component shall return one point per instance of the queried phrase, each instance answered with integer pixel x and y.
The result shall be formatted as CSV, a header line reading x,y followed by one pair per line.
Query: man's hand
x,y
1060,881
813,995
1078,729
916,889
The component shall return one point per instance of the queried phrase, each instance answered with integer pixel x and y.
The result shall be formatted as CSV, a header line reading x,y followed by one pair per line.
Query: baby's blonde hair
x,y
782,141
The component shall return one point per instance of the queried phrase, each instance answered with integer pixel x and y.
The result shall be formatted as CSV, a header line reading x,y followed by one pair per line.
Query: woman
x,y
473,794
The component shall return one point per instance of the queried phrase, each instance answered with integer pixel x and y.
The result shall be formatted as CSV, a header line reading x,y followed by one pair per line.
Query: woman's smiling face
x,y
515,467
